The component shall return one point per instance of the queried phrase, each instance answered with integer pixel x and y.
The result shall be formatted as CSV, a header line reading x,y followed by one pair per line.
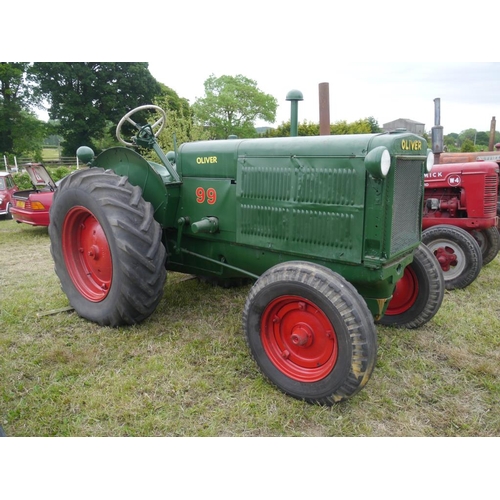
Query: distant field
x,y
50,154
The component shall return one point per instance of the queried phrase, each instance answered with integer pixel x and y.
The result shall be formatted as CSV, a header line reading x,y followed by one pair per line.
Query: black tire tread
x,y
490,243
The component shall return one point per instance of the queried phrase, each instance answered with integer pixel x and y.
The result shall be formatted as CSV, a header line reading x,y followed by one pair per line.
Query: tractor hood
x,y
39,176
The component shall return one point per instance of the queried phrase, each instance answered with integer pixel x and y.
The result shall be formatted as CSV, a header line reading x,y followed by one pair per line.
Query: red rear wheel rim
x,y
87,254
299,339
405,294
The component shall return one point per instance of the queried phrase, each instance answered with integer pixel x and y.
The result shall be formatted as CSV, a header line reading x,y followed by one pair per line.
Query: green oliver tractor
x,y
325,226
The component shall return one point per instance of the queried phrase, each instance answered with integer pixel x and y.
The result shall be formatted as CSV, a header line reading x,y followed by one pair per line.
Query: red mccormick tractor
x,y
459,224
477,156
320,223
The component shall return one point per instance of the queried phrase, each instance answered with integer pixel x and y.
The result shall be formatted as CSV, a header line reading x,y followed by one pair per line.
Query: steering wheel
x,y
160,123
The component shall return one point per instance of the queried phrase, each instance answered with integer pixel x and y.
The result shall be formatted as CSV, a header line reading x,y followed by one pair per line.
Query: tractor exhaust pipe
x,y
437,132
492,134
324,109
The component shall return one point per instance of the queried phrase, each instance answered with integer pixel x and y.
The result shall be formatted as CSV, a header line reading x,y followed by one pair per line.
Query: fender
x,y
149,176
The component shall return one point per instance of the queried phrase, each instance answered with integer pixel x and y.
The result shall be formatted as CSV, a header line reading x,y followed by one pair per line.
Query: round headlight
x,y
430,160
378,162
385,163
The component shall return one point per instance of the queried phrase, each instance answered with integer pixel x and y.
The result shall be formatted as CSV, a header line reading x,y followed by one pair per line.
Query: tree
x,y
451,142
20,130
231,106
374,126
467,146
179,123
482,139
87,97
469,134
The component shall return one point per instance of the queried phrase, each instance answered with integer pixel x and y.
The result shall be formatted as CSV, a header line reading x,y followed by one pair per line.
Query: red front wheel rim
x,y
405,293
86,254
299,339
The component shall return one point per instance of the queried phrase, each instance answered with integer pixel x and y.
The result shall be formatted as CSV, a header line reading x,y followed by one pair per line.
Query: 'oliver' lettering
x,y
201,160
409,145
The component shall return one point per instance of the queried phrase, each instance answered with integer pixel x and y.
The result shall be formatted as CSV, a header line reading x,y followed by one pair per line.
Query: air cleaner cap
x,y
85,154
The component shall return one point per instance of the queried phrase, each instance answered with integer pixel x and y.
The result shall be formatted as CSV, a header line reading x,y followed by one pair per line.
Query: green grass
x,y
186,371
50,154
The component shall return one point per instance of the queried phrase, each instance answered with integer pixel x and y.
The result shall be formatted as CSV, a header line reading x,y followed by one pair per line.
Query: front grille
x,y
490,195
406,223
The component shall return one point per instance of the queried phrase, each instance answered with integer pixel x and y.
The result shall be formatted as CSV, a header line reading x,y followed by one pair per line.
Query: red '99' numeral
x,y
210,196
200,195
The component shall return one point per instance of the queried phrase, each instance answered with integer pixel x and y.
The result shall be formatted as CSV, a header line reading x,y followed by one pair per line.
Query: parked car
x,y
32,206
7,189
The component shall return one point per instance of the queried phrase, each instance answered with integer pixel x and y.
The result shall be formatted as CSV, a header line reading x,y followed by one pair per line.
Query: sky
x,y
386,59
468,92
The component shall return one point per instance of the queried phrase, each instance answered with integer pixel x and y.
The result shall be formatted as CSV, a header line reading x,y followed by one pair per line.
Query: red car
x,y
32,206
7,190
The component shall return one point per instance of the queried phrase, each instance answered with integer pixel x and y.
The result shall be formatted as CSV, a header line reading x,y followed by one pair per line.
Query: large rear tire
x,y
310,332
107,248
418,294
457,252
489,242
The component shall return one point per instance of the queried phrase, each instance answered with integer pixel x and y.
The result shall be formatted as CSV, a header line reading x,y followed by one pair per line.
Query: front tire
x,y
457,252
418,294
310,332
107,248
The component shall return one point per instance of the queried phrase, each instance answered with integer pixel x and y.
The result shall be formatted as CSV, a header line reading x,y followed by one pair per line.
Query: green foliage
x,y
182,128
231,106
450,142
363,126
20,131
22,180
179,123
482,139
85,97
59,172
470,139
467,146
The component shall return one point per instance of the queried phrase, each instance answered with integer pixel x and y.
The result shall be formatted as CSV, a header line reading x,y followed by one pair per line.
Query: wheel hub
x,y
405,293
446,257
299,338
87,254
301,335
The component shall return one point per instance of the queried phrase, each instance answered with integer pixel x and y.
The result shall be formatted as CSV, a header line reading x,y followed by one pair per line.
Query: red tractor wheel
x,y
418,294
107,248
457,252
489,242
310,332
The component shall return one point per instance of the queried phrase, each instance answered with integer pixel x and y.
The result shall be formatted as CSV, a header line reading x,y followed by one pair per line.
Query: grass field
x,y
50,154
186,370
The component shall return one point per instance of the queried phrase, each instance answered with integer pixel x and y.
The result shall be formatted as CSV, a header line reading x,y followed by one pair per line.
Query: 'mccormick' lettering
x,y
201,160
434,174
409,145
